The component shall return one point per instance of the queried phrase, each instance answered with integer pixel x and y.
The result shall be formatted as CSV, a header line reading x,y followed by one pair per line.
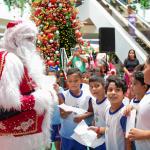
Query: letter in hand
x,y
78,119
96,129
64,114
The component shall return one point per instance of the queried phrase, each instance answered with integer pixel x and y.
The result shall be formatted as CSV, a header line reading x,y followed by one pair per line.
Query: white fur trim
x,y
42,100
28,142
2,43
9,83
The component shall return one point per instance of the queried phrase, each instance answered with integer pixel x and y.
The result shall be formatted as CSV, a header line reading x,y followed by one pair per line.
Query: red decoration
x,y
50,35
78,33
57,62
51,63
53,1
37,12
54,28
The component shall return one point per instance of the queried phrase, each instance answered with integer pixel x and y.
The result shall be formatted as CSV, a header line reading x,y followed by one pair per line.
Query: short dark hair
x,y
74,71
139,76
139,67
119,82
96,78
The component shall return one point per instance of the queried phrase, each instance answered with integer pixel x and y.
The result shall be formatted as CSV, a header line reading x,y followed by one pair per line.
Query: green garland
x,y
145,3
18,3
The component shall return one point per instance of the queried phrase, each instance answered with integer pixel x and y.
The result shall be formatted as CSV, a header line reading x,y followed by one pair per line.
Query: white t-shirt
x,y
143,121
81,101
99,113
134,102
126,101
115,128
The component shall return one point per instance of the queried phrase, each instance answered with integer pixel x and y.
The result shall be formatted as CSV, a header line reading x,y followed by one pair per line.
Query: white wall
x,y
101,18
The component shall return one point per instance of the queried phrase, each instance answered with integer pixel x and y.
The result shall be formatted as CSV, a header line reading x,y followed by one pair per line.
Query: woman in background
x,y
129,64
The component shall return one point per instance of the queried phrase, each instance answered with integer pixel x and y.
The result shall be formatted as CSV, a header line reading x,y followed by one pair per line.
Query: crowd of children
x,y
105,101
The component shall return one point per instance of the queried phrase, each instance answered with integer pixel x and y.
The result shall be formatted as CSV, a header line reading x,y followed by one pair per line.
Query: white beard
x,y
32,61
35,65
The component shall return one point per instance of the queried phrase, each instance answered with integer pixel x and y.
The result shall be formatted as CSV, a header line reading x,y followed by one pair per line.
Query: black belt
x,y
5,114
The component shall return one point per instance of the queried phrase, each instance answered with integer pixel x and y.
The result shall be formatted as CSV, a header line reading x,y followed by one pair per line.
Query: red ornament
x,y
50,35
53,1
78,33
54,28
51,63
80,40
37,12
57,62
73,16
64,22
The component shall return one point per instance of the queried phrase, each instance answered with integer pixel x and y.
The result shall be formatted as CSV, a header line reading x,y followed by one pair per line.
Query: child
x,y
99,106
75,97
141,134
85,77
55,123
139,89
115,121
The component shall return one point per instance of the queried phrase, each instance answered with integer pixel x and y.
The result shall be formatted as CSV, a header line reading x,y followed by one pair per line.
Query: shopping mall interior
x,y
102,29
96,14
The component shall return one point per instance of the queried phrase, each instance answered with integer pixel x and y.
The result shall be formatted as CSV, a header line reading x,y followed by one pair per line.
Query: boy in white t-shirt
x,y
100,103
115,121
139,89
141,134
77,97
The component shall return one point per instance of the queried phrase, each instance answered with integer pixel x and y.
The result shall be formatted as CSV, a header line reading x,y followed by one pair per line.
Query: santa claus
x,y
26,94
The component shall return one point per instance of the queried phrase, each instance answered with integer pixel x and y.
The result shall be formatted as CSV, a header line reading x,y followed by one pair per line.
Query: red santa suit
x,y
26,103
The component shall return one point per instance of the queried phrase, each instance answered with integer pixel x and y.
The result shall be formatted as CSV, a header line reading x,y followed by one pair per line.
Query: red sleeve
x,y
28,102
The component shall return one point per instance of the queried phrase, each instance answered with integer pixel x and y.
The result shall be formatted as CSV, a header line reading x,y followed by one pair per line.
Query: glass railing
x,y
141,29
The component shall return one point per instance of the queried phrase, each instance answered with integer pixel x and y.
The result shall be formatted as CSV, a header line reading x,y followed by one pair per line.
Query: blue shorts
x,y
70,144
101,147
55,136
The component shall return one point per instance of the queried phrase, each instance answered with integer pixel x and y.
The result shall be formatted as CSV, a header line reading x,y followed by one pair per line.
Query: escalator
x,y
105,14
143,36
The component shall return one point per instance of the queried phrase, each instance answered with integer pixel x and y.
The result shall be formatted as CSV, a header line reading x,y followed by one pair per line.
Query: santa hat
x,y
16,32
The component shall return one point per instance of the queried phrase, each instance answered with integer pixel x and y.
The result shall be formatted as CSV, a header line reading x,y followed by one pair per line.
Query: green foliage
x,y
18,3
145,3
67,38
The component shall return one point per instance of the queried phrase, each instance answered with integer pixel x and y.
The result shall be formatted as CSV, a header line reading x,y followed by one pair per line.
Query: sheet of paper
x,y
85,136
73,109
130,121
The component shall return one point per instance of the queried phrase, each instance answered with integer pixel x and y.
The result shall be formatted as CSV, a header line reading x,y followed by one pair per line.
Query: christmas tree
x,y
58,28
